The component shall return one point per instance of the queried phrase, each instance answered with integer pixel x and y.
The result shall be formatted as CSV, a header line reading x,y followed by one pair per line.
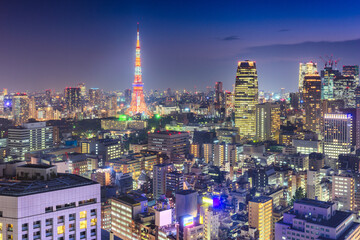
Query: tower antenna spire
x,y
138,104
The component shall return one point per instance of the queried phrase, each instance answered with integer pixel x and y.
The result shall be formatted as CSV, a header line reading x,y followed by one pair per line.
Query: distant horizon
x,y
182,45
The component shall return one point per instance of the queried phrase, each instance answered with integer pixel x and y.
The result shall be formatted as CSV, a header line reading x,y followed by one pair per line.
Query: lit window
x,y
60,229
83,224
93,221
83,214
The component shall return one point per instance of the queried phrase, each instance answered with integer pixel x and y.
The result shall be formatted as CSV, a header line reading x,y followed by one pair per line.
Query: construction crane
x,y
330,61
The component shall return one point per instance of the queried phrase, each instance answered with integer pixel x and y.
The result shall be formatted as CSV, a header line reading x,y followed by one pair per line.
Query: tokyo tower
x,y
137,99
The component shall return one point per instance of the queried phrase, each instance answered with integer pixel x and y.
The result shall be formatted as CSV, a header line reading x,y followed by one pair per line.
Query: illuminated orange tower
x,y
137,99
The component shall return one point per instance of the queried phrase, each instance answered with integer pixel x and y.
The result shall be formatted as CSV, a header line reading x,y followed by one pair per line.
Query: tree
x,y
299,194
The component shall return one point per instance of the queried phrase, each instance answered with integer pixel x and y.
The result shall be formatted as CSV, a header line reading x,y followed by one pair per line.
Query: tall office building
x,y
343,191
29,137
305,69
82,89
219,99
327,78
208,152
174,144
138,104
124,211
72,98
20,108
127,96
48,97
260,216
246,98
312,101
44,204
344,89
32,108
337,134
159,179
357,97
352,70
312,219
267,121
95,97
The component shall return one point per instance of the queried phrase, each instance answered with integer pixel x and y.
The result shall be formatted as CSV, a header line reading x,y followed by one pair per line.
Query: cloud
x,y
284,30
278,64
308,50
231,38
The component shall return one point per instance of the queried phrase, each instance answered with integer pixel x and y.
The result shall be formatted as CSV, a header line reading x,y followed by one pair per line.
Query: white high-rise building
x,y
337,134
304,69
42,204
211,224
343,192
159,179
29,137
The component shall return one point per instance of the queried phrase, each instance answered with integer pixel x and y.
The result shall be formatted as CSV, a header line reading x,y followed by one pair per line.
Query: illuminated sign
x,y
122,117
207,200
216,202
188,221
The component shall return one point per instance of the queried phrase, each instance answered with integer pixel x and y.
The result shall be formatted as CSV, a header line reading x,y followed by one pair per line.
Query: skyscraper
x,y
138,104
127,96
82,89
159,179
260,216
95,97
327,78
344,89
352,70
48,97
357,97
267,121
72,98
32,108
219,99
20,108
337,134
312,100
305,68
246,98
343,191
29,137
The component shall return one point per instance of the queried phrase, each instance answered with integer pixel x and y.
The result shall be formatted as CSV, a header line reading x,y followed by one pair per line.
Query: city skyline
x,y
60,45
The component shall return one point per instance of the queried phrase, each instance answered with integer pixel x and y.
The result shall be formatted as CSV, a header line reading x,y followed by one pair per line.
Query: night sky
x,y
54,44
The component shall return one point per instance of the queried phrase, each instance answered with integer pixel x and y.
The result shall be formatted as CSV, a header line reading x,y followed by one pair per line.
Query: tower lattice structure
x,y
138,104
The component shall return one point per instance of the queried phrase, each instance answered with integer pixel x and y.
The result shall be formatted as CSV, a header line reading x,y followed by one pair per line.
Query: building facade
x,y
246,98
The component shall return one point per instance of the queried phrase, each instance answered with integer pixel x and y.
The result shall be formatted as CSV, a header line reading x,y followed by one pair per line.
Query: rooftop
x,y
43,166
261,199
333,222
130,200
18,188
185,192
315,203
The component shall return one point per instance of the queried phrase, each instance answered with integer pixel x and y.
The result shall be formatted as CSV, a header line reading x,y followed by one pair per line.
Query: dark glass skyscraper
x,y
72,98
327,80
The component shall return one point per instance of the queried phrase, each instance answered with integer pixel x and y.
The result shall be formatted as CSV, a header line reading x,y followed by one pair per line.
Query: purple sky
x,y
54,44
